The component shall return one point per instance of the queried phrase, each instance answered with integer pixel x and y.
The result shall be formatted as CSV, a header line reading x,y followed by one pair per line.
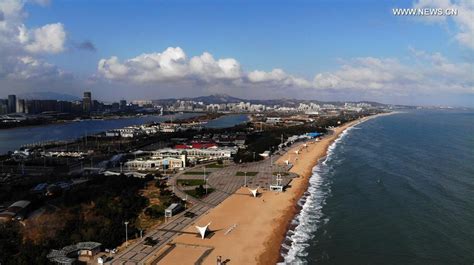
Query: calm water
x,y
397,189
12,139
227,121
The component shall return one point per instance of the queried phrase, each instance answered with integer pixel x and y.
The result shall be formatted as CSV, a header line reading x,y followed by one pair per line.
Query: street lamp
x,y
185,201
245,184
126,232
271,160
204,172
205,178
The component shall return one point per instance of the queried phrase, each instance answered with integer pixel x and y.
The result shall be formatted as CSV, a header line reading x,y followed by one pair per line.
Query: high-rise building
x,y
123,104
3,106
11,103
64,106
87,102
36,106
20,106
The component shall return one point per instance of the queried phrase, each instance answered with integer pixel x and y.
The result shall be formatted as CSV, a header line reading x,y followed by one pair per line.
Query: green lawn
x,y
282,173
191,182
196,173
198,195
249,174
215,165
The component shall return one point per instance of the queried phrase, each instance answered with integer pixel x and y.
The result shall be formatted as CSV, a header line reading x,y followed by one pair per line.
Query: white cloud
x,y
20,46
464,21
366,74
111,68
278,77
423,74
172,65
47,39
207,68
28,68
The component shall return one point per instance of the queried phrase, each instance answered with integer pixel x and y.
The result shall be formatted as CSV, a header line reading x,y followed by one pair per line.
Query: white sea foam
x,y
308,220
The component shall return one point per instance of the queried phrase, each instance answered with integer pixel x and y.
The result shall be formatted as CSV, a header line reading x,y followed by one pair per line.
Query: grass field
x,y
282,173
215,165
196,173
249,174
190,182
197,195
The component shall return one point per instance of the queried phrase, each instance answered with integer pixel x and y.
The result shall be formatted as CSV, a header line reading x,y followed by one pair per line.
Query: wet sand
x,y
248,230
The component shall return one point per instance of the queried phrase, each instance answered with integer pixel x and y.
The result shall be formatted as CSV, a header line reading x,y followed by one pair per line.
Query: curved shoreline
x,y
304,166
248,230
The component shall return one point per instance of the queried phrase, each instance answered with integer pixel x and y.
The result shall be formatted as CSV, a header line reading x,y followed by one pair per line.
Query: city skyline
x,y
257,50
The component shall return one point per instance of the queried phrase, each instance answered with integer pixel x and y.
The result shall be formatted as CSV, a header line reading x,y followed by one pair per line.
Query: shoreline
x,y
248,230
61,122
272,254
202,119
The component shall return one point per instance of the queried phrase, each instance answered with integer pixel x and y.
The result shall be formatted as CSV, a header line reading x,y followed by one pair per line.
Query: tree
x,y
200,191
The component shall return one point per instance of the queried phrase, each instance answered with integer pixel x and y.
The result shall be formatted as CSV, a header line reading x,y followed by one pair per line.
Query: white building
x,y
156,163
196,154
273,120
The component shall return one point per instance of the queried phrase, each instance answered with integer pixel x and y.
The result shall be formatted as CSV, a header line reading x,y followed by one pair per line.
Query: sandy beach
x,y
248,230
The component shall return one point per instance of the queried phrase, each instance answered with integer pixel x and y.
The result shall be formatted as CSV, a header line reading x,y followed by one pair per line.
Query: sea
x,y
12,139
396,189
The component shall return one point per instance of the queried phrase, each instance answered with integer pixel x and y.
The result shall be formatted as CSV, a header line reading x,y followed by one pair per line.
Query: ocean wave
x,y
308,220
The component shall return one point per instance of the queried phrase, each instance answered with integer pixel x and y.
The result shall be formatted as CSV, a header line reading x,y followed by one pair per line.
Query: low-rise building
x,y
156,163
273,120
197,154
72,253
18,210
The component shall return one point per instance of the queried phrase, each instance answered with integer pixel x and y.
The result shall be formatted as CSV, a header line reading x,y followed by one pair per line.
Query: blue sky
x,y
303,38
299,36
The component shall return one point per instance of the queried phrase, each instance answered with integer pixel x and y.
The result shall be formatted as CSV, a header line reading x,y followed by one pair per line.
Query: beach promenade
x,y
224,182
248,230
244,229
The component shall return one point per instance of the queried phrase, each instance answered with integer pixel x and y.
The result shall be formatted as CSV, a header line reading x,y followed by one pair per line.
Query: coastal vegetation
x,y
198,173
191,182
248,174
268,139
199,192
219,164
95,211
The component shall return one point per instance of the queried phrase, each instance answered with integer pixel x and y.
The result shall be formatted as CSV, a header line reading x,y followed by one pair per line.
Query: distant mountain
x,y
48,95
223,98
212,99
216,99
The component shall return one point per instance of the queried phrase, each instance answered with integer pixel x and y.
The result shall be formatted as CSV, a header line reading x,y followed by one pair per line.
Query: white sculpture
x,y
254,192
202,230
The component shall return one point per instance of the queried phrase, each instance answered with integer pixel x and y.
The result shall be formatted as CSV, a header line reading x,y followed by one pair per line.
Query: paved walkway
x,y
224,181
